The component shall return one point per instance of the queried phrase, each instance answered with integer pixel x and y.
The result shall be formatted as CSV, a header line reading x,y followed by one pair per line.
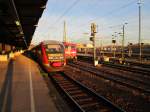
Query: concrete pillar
x,y
11,47
0,48
3,48
3,57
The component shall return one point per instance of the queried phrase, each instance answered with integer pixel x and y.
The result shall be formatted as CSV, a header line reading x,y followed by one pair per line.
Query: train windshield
x,y
54,49
70,47
73,47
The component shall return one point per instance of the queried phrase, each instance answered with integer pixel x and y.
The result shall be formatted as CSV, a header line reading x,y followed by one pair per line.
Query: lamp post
x,y
140,46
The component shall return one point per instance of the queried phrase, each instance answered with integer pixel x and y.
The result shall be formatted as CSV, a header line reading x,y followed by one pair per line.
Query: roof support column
x,y
3,48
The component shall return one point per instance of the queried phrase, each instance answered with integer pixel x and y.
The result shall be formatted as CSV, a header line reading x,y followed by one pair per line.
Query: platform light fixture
x,y
17,23
21,32
43,7
36,25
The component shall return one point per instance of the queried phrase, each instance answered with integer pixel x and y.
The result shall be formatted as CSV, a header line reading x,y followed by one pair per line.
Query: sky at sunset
x,y
109,15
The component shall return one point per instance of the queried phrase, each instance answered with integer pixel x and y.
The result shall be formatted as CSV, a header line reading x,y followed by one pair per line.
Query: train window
x,y
73,47
34,50
69,47
54,49
66,46
39,51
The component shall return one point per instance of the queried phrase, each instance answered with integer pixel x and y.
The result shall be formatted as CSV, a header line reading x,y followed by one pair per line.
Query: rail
x,y
83,98
109,76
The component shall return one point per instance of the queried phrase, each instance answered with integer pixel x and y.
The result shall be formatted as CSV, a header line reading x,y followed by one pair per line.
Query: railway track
x,y
127,72
83,98
139,85
128,68
143,65
136,68
121,73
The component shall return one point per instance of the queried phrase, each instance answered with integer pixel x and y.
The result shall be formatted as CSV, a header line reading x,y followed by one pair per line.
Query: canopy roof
x,y
18,20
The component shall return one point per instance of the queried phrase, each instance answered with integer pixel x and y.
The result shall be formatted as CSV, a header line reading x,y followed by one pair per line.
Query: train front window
x,y
73,47
54,49
70,47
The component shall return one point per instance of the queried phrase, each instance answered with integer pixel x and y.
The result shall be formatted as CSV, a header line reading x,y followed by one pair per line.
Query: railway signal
x,y
130,49
92,38
114,48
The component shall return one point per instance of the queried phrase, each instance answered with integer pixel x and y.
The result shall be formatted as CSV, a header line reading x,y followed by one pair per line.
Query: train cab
x,y
50,54
70,51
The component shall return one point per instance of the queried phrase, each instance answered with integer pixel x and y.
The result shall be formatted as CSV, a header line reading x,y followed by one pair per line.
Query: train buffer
x,y
22,88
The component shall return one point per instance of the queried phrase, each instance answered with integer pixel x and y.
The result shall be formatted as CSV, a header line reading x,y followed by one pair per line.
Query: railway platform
x,y
22,88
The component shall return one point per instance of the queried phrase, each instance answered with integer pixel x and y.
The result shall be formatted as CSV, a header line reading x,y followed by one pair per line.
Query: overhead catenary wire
x,y
116,10
64,13
92,4
50,9
81,25
107,14
67,11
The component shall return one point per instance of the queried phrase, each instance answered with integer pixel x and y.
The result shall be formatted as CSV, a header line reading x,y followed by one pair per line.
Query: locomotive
x,y
70,51
50,54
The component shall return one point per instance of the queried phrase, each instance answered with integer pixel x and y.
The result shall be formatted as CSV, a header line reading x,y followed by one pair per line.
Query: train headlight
x,y
56,58
51,58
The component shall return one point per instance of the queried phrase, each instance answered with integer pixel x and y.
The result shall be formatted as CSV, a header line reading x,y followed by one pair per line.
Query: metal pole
x,y
114,48
93,34
114,44
140,49
64,33
94,48
123,42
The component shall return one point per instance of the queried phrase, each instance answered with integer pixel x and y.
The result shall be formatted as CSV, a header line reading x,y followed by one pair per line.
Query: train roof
x,y
69,43
46,42
51,42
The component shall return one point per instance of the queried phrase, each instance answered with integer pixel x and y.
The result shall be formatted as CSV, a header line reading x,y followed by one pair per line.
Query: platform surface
x,y
22,88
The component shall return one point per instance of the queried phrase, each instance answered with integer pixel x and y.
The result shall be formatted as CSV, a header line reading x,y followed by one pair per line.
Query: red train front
x,y
50,54
70,51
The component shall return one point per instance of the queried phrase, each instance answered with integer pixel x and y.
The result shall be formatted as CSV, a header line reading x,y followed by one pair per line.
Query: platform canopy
x,y
18,20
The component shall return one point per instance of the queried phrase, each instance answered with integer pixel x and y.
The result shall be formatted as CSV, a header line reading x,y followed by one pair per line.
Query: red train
x,y
70,51
50,54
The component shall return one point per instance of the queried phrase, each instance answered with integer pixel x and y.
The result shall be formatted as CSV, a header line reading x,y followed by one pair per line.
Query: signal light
x,y
56,64
113,41
91,38
92,34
